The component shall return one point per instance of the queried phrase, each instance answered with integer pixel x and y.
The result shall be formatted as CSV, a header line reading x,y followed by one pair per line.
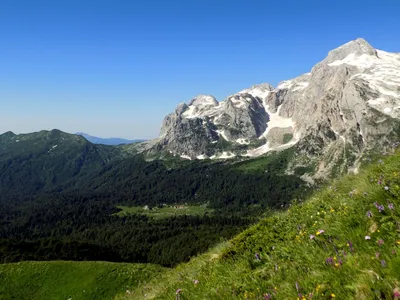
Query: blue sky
x,y
116,68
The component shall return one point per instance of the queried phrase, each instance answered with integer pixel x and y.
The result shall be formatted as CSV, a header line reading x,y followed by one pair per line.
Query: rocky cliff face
x,y
348,104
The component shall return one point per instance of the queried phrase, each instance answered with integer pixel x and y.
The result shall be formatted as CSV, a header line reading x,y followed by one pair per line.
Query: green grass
x,y
359,268
71,280
164,212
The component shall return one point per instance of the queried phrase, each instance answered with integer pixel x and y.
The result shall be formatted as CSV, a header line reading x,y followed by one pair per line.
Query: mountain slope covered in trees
x,y
64,204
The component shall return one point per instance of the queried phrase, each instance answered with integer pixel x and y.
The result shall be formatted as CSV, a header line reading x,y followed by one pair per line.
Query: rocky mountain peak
x,y
346,106
259,90
181,108
203,100
354,48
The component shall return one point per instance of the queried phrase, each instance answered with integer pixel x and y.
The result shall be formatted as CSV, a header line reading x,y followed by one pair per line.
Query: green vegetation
x,y
71,280
343,243
284,255
164,211
46,160
275,162
287,138
59,203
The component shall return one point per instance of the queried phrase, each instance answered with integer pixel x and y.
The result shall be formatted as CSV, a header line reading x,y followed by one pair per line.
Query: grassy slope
x,y
360,268
71,280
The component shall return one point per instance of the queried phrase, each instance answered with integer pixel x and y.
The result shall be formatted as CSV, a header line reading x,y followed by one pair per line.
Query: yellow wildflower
x,y
333,295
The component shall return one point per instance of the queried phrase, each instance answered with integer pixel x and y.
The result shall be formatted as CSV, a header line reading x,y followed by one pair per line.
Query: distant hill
x,y
107,141
45,160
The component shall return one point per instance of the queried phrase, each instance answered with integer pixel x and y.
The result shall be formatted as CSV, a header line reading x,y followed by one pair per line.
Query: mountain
x,y
347,106
107,141
46,160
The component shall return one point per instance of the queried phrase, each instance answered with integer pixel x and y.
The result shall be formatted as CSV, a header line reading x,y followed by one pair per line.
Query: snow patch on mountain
x,y
275,120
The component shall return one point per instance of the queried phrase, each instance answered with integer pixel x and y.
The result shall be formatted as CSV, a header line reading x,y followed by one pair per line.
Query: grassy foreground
x,y
71,280
342,243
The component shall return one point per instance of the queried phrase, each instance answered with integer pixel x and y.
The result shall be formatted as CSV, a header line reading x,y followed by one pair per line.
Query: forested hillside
x,y
64,205
46,160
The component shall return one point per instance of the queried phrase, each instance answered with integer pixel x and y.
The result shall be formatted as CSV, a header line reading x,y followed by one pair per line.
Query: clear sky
x,y
116,68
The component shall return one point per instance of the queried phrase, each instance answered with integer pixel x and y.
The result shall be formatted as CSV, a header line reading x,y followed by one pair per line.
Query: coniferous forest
x,y
45,218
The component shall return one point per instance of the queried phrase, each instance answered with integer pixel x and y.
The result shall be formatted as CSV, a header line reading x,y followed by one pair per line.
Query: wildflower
x,y
381,208
396,294
340,262
312,236
386,188
350,244
377,254
380,242
391,206
196,282
178,291
329,261
301,297
310,295
267,296
369,214
380,181
367,237
257,256
383,263
398,242
333,295
320,231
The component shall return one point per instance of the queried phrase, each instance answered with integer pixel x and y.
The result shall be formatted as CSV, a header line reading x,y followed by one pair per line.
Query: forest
x,y
77,220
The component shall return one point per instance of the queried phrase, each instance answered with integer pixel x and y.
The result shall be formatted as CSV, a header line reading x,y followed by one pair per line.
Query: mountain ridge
x,y
351,100
112,141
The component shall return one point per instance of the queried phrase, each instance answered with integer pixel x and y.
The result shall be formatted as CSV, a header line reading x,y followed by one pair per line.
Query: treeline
x,y
137,182
63,227
77,221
